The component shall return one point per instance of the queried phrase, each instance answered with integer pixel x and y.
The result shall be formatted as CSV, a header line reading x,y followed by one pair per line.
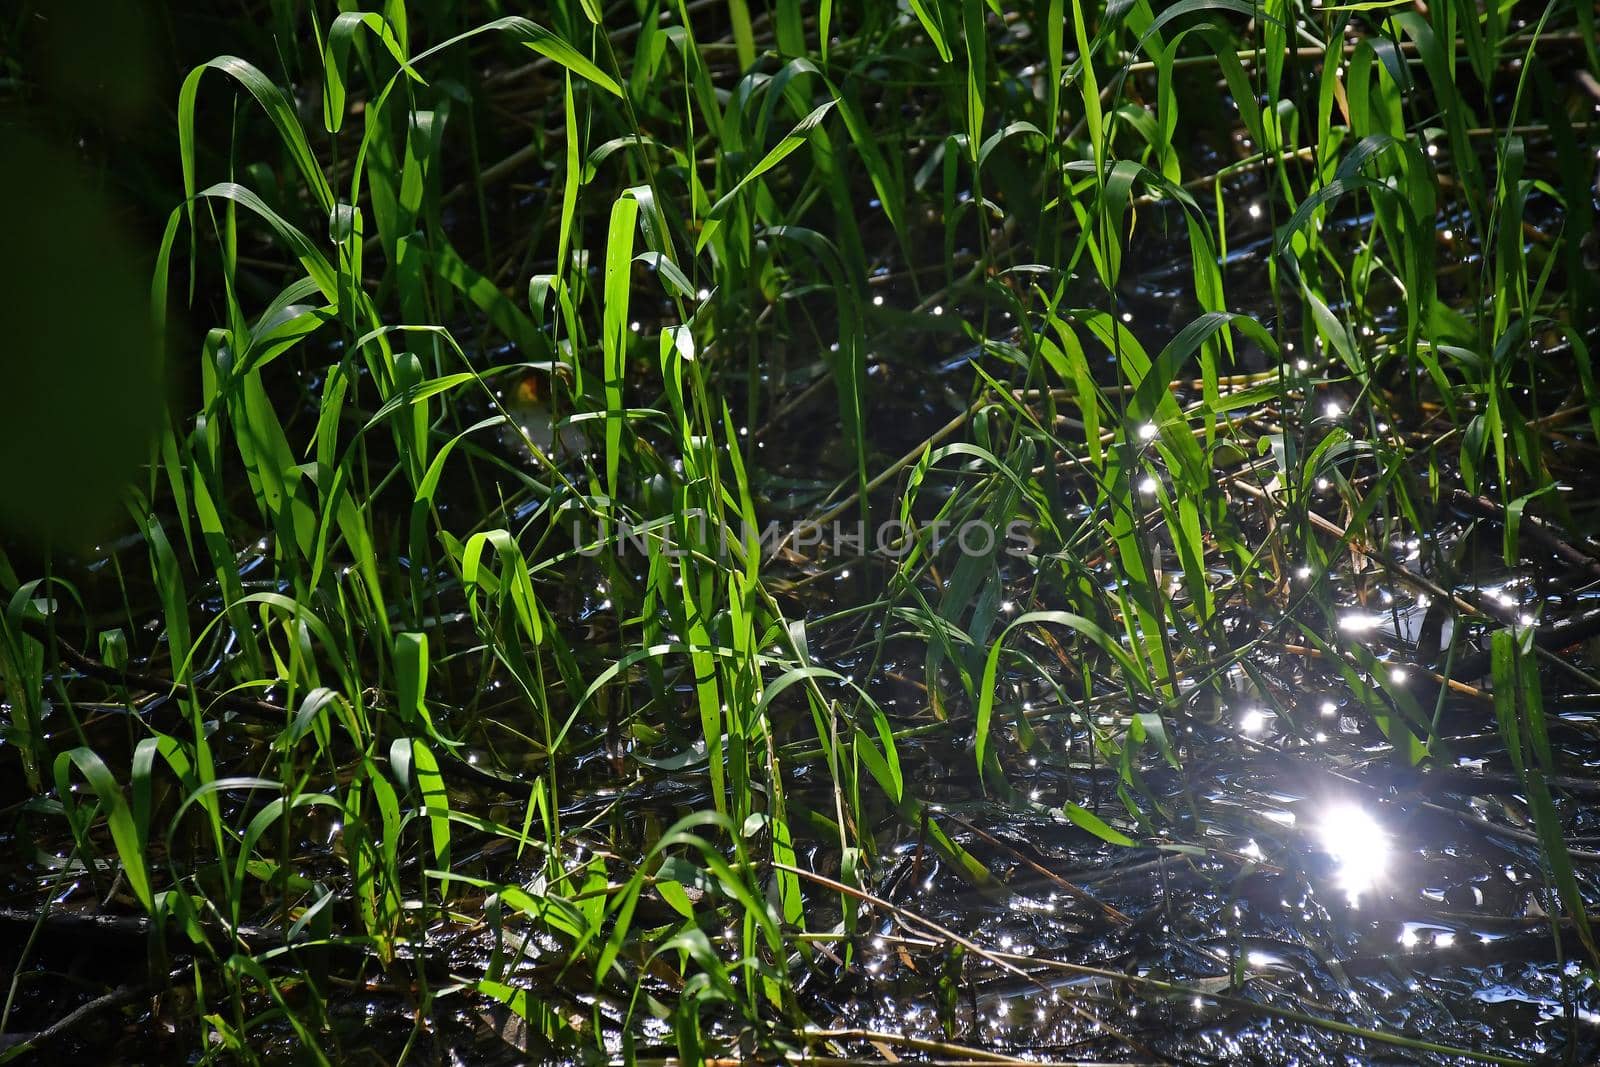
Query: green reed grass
x,y
731,176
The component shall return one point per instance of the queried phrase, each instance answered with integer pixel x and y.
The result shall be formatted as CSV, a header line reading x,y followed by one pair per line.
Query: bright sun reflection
x,y
1358,844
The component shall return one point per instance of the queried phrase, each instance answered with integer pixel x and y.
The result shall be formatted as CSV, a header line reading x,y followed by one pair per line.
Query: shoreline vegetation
x,y
712,532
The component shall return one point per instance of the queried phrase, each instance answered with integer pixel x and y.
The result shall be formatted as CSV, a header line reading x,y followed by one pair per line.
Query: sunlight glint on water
x,y
1358,845
1361,622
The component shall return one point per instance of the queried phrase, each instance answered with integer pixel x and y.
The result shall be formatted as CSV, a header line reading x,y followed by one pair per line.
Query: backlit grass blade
x,y
532,35
615,332
340,36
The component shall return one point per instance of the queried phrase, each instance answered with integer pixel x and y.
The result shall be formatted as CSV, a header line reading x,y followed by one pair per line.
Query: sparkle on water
x,y
1361,622
1359,846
